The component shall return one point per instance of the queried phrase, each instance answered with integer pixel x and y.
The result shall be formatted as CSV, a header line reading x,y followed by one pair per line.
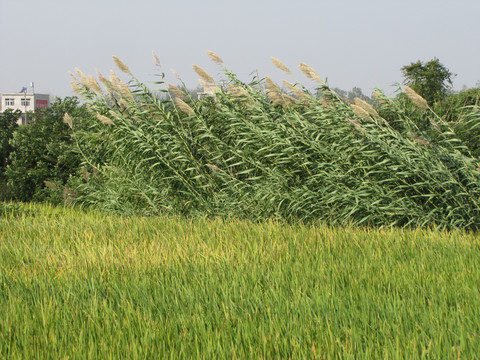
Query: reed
x,y
276,155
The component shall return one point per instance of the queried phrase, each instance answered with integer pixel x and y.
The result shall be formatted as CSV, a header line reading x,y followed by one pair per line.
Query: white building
x,y
24,102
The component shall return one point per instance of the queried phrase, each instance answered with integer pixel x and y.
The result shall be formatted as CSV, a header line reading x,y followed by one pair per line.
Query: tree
x,y
431,80
43,151
8,125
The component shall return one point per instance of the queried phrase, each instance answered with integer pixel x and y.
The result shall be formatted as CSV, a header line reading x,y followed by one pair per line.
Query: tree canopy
x,y
431,79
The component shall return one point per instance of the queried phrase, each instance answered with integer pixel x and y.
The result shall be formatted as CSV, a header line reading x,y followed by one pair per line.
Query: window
x,y
25,102
9,102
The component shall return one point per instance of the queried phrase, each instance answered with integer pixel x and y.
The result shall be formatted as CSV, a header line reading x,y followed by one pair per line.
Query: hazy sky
x,y
350,42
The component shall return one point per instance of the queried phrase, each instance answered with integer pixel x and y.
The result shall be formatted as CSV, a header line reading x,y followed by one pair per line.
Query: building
x,y
24,102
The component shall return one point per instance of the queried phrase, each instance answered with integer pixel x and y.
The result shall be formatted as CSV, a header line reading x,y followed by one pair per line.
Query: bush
x,y
43,154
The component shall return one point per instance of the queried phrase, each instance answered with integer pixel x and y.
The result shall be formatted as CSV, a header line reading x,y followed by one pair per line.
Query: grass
x,y
79,284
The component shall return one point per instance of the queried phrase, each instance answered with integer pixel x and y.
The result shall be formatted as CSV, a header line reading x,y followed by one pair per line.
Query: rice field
x,y
82,284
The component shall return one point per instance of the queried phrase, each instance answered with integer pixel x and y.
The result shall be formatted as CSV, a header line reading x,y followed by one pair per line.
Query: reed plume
x,y
214,57
360,112
177,91
68,120
92,84
237,91
415,98
310,73
121,65
182,105
366,106
203,74
280,65
105,119
156,61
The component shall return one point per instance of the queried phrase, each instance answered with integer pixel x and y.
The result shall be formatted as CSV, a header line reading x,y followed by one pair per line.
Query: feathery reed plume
x,y
176,75
114,115
121,65
360,112
203,74
202,82
92,84
280,65
237,91
415,98
103,80
310,73
80,74
214,57
299,93
177,91
379,96
357,125
156,61
273,91
76,88
120,86
271,85
182,105
68,120
366,106
123,103
104,119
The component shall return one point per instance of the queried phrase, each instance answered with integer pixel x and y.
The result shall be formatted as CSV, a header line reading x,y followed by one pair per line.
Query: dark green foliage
x,y
431,79
42,152
8,125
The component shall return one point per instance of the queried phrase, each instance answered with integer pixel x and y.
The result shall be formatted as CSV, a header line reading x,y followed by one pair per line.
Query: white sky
x,y
352,43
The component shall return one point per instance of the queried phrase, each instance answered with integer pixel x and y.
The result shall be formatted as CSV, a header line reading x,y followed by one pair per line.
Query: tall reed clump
x,y
259,151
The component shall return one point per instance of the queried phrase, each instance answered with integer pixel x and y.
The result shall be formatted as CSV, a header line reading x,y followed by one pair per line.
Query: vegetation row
x,y
257,150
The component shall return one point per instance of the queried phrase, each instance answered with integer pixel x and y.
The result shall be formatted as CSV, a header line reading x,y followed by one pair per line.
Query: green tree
x,y
431,80
43,151
8,125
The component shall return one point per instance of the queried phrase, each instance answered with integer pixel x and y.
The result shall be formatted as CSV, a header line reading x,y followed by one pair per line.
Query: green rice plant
x,y
256,151
78,285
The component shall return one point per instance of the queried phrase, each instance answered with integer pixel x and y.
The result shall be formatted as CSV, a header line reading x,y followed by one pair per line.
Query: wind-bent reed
x,y
258,152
